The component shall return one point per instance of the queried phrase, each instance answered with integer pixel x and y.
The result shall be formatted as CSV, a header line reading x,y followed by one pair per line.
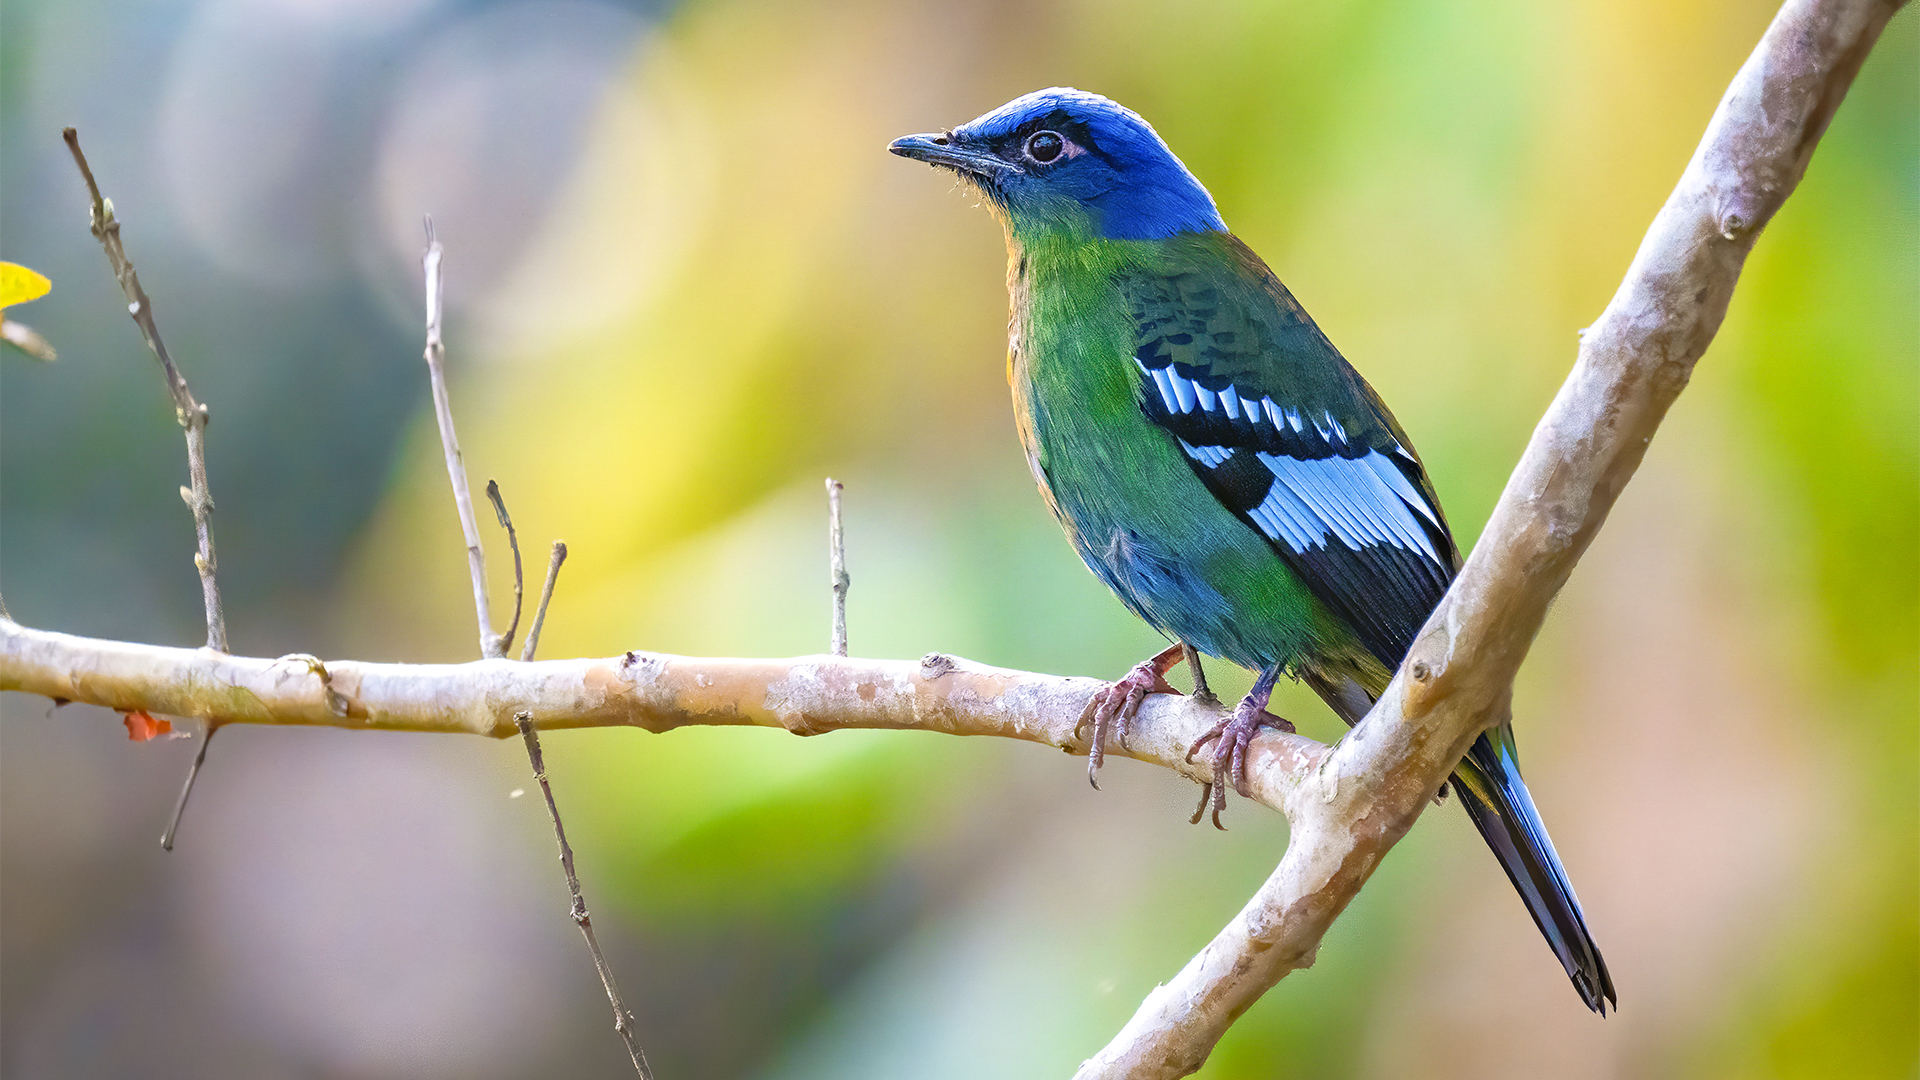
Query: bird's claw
x,y
1231,738
1112,707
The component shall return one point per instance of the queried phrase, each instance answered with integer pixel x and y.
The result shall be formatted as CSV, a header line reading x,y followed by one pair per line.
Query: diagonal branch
x,y
1458,678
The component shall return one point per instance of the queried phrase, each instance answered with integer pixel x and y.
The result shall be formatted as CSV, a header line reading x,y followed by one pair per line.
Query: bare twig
x,y
186,789
622,1019
558,556
1458,678
191,414
837,568
494,646
491,645
513,541
26,339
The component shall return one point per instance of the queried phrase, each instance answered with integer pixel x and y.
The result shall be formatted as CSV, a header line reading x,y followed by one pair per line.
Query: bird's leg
x,y
1230,738
1200,688
1112,707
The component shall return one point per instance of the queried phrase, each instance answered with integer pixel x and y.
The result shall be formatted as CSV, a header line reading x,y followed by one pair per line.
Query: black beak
x,y
940,149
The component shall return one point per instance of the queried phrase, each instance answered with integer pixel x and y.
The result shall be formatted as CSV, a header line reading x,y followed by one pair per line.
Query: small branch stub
x,y
513,541
837,568
558,556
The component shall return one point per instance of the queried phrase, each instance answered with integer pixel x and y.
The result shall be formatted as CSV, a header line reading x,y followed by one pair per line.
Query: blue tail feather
x,y
1497,800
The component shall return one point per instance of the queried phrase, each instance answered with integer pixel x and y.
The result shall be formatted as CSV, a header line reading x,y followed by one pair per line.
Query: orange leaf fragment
x,y
141,726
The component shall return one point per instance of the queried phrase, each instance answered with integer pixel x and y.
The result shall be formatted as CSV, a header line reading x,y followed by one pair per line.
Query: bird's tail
x,y
1495,797
1488,780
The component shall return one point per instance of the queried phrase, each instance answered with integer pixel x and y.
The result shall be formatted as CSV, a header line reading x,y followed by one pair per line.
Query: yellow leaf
x,y
19,284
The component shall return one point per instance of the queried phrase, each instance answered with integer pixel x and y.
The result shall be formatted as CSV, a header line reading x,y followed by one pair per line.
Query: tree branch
x,y
191,413
1457,680
519,581
837,569
193,417
805,695
622,1019
554,559
491,644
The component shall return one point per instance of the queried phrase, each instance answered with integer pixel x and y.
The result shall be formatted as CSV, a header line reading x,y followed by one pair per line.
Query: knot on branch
x,y
1742,207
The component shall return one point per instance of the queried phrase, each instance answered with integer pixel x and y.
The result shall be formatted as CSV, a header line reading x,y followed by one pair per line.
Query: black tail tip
x,y
1598,1000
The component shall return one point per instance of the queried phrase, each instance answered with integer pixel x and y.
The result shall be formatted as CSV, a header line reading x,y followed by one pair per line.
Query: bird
x,y
1217,462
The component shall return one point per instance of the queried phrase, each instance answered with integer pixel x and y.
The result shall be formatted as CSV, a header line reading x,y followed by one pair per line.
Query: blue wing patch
x,y
1345,514
1346,499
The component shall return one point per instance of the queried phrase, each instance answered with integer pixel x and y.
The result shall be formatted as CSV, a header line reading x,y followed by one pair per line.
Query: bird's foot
x,y
1231,738
1112,707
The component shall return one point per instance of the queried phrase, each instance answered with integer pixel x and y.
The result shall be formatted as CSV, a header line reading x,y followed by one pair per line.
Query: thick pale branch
x,y
1458,678
805,695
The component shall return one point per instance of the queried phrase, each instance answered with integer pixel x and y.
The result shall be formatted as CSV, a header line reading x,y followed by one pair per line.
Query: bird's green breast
x,y
1120,486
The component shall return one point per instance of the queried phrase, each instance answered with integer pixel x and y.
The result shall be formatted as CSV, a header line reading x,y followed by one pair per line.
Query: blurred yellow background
x,y
687,283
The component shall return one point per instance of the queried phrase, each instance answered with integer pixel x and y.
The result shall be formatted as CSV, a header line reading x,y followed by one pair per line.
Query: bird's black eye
x,y
1044,146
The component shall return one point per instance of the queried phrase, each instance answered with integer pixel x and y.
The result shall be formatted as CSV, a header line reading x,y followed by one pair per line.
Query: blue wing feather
x,y
1289,438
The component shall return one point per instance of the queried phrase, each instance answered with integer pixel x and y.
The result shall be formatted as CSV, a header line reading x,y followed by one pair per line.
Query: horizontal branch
x,y
806,695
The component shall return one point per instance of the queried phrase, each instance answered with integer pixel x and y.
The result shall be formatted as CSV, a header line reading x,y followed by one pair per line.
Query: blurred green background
x,y
686,283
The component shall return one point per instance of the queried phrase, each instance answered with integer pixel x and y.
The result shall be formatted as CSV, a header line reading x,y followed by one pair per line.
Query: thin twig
x,y
546,596
513,541
191,414
837,568
186,789
622,1019
490,643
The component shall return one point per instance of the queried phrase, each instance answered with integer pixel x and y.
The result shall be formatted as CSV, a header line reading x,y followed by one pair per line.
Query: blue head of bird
x,y
1064,159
